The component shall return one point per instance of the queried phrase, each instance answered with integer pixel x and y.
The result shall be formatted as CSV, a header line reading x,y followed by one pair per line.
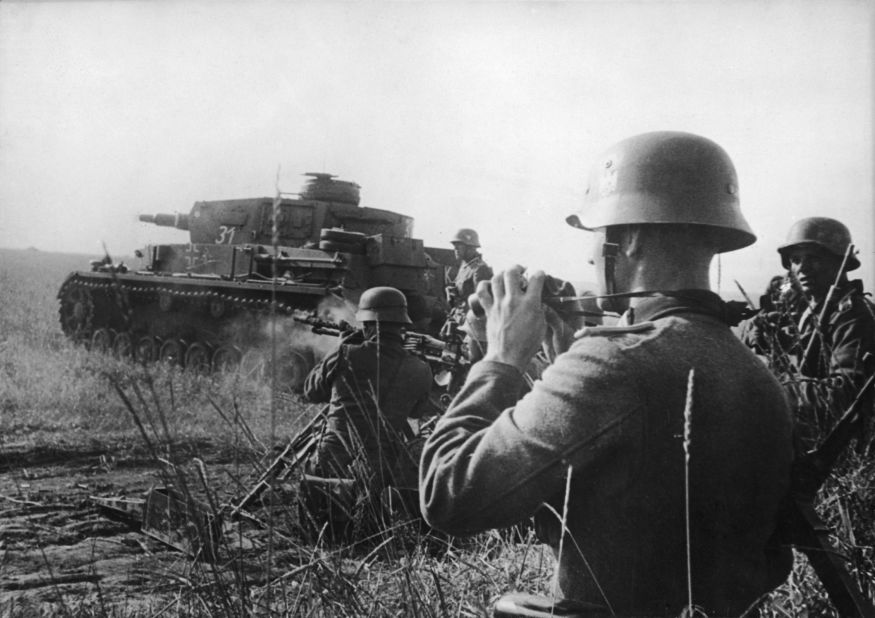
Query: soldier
x,y
820,345
471,271
597,447
372,385
779,294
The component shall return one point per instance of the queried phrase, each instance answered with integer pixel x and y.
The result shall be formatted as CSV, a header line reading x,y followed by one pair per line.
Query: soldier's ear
x,y
632,241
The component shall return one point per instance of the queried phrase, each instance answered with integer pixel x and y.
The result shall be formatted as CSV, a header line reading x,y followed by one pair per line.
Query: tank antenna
x,y
273,361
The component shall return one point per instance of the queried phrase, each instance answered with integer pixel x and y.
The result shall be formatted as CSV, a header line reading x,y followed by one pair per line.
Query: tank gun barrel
x,y
179,221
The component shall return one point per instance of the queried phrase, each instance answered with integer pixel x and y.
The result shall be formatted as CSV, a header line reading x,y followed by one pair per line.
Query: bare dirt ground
x,y
57,546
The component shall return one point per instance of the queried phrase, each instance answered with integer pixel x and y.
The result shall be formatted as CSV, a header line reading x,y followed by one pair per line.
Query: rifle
x,y
821,318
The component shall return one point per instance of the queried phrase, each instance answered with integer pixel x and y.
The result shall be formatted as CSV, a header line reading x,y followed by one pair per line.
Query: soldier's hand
x,y
515,320
353,337
768,319
475,325
758,331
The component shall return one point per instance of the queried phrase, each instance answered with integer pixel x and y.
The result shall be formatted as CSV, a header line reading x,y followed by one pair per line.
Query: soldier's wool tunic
x,y
372,389
612,410
470,273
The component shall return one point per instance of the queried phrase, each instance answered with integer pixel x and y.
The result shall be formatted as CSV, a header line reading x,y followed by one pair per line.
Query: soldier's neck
x,y
667,280
648,263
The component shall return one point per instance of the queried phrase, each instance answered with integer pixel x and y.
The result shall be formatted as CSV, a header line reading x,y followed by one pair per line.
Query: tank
x,y
251,266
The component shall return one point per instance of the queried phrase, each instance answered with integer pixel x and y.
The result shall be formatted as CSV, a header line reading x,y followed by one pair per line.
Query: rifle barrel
x,y
818,327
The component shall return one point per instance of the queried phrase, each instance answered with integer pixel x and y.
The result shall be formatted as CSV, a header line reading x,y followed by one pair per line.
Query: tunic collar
x,y
701,302
384,338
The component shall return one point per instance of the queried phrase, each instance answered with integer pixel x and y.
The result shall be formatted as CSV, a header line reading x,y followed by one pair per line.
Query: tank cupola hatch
x,y
326,188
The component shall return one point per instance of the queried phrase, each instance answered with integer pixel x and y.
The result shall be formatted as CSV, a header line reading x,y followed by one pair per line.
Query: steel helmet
x,y
666,177
822,232
383,304
467,236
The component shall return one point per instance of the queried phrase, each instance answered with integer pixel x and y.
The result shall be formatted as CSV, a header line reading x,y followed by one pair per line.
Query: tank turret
x,y
324,203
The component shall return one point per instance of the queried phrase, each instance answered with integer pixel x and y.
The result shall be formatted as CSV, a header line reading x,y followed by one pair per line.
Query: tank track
x,y
234,301
188,321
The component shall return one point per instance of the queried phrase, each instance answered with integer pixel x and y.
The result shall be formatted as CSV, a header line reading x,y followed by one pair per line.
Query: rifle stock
x,y
810,535
812,469
802,527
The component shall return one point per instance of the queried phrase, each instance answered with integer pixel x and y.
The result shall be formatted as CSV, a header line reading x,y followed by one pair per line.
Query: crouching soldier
x,y
372,385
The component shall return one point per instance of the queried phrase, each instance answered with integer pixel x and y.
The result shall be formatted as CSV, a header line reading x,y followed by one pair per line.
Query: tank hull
x,y
238,316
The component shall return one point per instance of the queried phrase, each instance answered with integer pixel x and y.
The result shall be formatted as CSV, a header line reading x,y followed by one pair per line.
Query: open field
x,y
76,425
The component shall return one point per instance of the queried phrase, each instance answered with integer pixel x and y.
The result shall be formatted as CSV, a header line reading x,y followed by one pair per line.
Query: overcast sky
x,y
461,114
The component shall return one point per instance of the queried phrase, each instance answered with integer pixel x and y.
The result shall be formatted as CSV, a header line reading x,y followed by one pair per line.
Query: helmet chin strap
x,y
610,251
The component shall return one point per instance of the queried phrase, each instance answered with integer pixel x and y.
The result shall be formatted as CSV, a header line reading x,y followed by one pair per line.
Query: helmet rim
x,y
466,236
667,178
826,233
374,306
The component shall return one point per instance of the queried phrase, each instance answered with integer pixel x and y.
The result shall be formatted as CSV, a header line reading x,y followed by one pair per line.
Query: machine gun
x,y
448,363
445,357
326,327
437,352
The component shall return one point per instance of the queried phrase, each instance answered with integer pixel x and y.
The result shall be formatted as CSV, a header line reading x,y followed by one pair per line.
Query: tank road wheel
x,y
146,350
226,357
101,340
294,367
77,310
122,346
197,358
253,365
172,352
